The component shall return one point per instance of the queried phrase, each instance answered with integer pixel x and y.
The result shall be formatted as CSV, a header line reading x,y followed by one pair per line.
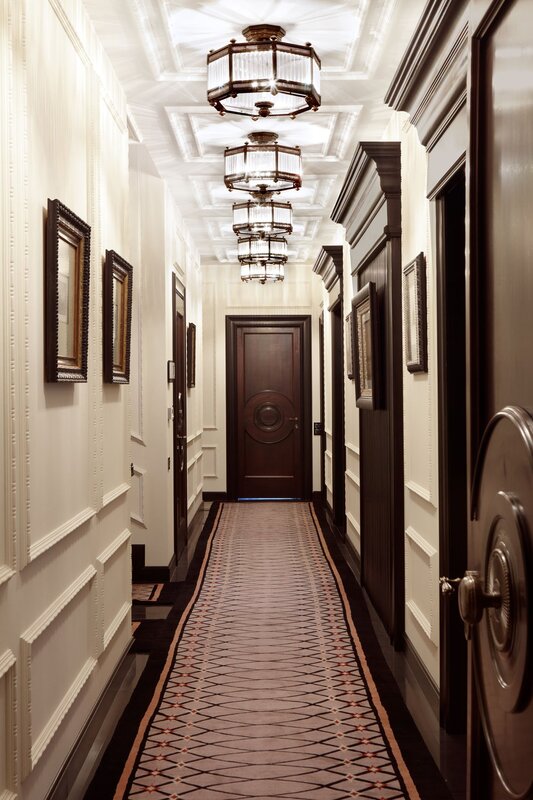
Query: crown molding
x,y
329,265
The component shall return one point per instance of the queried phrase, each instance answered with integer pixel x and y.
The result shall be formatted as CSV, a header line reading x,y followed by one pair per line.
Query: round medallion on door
x,y
269,417
495,596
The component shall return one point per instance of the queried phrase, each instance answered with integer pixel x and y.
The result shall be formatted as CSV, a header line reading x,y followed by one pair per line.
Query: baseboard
x,y
355,558
83,744
221,497
140,573
423,678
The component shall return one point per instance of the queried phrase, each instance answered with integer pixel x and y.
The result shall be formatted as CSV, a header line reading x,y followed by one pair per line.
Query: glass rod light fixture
x,y
263,76
262,216
262,250
263,165
263,273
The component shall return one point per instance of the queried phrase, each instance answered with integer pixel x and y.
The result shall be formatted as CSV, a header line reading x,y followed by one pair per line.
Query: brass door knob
x,y
473,600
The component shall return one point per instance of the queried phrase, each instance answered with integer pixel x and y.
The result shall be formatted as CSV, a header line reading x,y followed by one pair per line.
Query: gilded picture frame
x,y
66,290
365,347
117,305
415,315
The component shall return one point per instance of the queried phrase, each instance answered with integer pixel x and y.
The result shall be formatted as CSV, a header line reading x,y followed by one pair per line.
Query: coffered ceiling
x,y
159,49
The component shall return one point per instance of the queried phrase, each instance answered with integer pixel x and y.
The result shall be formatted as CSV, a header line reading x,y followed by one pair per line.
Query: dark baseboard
x,y
76,758
423,678
354,557
221,497
140,573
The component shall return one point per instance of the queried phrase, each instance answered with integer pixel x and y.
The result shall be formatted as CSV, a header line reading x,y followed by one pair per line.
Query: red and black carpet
x,y
265,689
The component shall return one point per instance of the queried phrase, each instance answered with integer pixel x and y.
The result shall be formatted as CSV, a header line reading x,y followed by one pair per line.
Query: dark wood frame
x,y
116,266
61,220
180,488
338,423
348,338
366,299
191,355
232,323
416,361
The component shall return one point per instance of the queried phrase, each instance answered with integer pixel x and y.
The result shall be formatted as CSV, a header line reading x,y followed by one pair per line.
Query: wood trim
x,y
213,497
233,322
329,265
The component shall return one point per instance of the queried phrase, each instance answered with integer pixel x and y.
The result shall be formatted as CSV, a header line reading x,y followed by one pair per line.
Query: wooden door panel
x,y
180,421
268,419
502,388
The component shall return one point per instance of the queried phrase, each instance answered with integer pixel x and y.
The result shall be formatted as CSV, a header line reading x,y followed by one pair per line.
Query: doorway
x,y
180,418
337,417
269,407
453,520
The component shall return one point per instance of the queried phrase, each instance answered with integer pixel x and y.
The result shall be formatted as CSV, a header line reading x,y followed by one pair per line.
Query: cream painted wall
x,y
225,294
160,246
420,417
65,583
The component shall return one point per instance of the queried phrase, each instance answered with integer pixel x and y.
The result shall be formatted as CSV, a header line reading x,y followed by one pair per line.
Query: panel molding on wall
x,y
428,621
137,432
9,739
33,749
209,355
210,460
106,634
114,494
137,515
52,538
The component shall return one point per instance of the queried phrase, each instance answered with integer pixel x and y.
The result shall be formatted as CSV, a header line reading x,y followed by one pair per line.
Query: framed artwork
x,y
68,251
365,345
118,276
191,355
348,336
415,315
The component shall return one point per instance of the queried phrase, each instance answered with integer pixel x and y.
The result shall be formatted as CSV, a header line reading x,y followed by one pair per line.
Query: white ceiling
x,y
159,49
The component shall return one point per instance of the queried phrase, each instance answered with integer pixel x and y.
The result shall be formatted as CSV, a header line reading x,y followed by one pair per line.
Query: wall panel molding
x,y
353,448
137,515
210,467
105,635
355,479
114,494
420,491
33,749
61,532
428,621
9,738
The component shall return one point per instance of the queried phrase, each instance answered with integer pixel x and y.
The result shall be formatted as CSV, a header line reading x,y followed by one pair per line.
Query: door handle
x,y
471,596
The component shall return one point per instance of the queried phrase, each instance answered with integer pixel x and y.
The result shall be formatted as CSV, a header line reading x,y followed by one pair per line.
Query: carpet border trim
x,y
368,677
129,766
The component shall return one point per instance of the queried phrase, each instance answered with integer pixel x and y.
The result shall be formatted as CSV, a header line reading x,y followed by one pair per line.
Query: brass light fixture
x,y
263,76
263,165
262,216
262,250
263,273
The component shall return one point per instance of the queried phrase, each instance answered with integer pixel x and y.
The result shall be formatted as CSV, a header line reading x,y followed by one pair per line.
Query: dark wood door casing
x,y
268,407
180,419
337,420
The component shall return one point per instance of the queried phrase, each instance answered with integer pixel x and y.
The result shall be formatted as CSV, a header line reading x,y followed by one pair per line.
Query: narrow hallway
x,y
266,691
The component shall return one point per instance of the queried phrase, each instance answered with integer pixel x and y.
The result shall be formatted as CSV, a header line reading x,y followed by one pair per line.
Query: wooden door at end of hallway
x,y
180,419
269,389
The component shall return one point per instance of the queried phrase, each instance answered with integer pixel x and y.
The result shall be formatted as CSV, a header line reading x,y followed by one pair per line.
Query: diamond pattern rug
x,y
266,692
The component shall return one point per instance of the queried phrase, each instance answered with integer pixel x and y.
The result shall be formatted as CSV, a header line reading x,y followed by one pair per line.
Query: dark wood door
x,y
270,420
337,422
180,420
381,443
496,597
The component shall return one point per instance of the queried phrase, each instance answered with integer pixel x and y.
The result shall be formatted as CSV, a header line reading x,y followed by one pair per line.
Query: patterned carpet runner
x,y
266,692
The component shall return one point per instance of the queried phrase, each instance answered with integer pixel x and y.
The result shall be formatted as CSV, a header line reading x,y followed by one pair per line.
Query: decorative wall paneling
x,y
431,86
8,727
43,679
369,207
52,444
329,267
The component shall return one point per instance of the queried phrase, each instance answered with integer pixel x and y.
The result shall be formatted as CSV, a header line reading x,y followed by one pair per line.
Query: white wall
x,y
420,416
65,583
225,294
160,246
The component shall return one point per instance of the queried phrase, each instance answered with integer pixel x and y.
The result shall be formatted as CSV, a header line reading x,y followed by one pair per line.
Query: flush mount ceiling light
x,y
264,273
262,216
262,250
263,76
263,165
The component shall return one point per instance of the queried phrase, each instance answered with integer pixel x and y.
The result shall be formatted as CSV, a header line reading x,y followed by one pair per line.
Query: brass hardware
x,y
473,600
448,585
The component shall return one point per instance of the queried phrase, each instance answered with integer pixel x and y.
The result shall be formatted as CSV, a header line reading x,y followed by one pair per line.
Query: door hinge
x,y
132,470
168,463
